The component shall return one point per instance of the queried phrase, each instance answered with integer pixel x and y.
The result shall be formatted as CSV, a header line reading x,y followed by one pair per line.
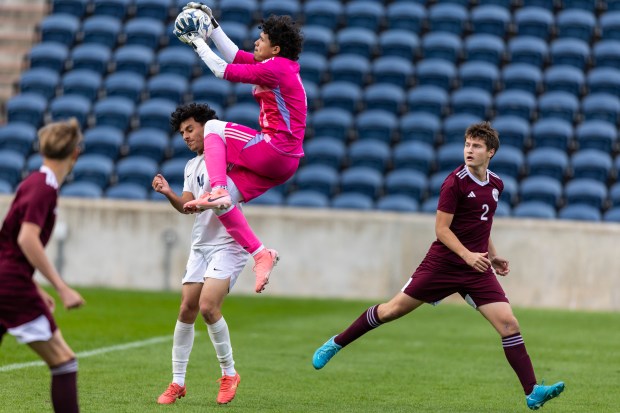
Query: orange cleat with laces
x,y
228,388
172,393
264,262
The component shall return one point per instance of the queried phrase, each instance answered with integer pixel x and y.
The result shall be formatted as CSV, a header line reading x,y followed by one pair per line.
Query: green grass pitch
x,y
444,359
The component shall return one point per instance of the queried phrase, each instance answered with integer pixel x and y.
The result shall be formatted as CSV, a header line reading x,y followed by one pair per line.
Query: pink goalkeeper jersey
x,y
281,96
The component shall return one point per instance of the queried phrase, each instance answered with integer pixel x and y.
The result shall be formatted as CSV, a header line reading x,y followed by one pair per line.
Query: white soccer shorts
x,y
220,262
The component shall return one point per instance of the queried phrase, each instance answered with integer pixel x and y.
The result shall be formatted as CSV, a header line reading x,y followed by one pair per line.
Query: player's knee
x,y
209,311
511,325
188,312
389,312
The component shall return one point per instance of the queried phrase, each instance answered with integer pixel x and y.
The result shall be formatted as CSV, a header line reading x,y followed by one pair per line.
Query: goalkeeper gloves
x,y
204,8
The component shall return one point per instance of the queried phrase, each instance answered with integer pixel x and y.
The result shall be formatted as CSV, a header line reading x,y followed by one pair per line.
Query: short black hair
x,y
283,32
201,112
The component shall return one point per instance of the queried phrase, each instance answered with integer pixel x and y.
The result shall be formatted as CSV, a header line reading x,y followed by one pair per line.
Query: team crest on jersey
x,y
495,194
201,180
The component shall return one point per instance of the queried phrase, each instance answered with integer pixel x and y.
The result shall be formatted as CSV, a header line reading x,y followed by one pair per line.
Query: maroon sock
x,y
519,360
64,387
369,320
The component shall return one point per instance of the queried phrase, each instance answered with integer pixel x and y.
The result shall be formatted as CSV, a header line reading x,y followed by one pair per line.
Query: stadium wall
x,y
332,253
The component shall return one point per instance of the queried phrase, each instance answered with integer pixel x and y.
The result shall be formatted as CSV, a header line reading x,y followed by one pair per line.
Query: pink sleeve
x,y
244,58
263,73
448,196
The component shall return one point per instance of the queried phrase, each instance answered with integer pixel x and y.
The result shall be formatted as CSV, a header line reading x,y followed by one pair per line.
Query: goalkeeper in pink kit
x,y
255,160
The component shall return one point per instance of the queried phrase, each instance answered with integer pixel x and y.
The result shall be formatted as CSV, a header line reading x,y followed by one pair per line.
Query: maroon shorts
x,y
434,280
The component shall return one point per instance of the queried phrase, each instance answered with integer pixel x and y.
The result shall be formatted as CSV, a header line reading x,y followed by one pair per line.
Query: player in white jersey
x,y
215,261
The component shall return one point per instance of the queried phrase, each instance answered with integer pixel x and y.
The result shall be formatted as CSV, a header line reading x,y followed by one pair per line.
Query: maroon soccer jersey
x,y
473,203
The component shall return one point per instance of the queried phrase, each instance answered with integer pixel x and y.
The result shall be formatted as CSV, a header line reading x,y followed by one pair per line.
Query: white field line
x,y
94,352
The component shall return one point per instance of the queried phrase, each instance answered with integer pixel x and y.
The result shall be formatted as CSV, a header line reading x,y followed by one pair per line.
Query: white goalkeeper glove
x,y
187,30
204,8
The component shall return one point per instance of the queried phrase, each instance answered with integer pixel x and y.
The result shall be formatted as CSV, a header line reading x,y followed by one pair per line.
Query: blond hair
x,y
58,140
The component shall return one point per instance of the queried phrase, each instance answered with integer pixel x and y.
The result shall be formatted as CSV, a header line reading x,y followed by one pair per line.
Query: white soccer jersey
x,y
207,230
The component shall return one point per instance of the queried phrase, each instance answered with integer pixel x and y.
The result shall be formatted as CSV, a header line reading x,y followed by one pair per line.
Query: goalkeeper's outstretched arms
x,y
223,43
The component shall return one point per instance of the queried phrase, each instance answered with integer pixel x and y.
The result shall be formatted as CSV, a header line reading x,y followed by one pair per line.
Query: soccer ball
x,y
198,18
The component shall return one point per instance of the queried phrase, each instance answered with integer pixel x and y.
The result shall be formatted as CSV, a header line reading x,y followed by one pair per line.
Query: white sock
x,y
220,337
181,347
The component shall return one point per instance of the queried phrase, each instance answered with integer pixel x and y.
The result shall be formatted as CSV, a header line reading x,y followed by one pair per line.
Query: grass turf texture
x,y
444,359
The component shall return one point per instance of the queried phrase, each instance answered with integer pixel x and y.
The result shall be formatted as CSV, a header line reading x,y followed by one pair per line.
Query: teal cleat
x,y
324,353
542,394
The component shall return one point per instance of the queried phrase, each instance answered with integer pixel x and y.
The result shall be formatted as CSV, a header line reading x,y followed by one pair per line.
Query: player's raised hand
x,y
160,184
71,298
187,27
478,261
199,6
500,265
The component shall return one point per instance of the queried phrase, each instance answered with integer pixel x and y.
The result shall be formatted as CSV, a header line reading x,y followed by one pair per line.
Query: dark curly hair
x,y
283,32
201,112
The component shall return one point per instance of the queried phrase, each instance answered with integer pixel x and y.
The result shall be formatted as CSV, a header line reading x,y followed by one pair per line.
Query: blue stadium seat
x,y
129,85
65,107
177,60
352,201
406,16
448,17
136,169
376,124
343,95
319,40
571,52
614,194
442,45
18,136
179,149
542,189
503,209
513,131
587,192
597,134
332,122
242,93
370,153
490,19
102,29
577,24
168,86
312,97
419,156
528,49
365,14
362,180
601,106
5,187
510,193
610,25
242,11
606,53
323,13
91,56
398,203
485,48
26,107
409,182
592,163
522,76
148,142
534,21
211,89
357,40
41,80
350,68
454,127
134,58
429,99
565,79
34,162
114,111
612,215
76,8
94,168
508,161
60,27
155,113
552,162
113,8
480,75
127,191
399,43
49,55
436,72
271,197
81,189
243,113
237,32
313,67
174,171
320,178
430,205
449,156
325,151
103,140
11,166
612,5
307,199
554,133
604,80
534,209
82,82
473,101
419,126
580,4
394,70
384,96
580,212
435,182
545,4
560,105
153,9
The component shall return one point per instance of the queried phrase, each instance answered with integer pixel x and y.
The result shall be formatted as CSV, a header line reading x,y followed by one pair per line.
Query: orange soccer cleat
x,y
264,262
228,388
172,393
218,198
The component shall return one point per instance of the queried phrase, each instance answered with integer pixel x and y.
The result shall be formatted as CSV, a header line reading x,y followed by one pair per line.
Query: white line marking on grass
x,y
94,352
